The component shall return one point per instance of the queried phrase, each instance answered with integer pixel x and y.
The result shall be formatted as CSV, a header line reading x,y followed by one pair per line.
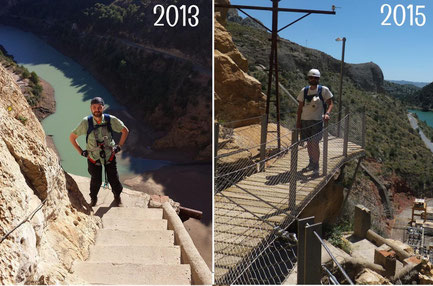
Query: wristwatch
x,y
327,113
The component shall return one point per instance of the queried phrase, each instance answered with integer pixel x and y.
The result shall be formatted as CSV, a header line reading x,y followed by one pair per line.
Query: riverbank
x,y
414,123
47,103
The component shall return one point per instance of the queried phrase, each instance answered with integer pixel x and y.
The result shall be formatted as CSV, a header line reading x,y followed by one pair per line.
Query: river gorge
x,y
153,173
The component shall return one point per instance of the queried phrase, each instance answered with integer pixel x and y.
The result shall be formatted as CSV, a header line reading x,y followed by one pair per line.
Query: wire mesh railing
x,y
257,199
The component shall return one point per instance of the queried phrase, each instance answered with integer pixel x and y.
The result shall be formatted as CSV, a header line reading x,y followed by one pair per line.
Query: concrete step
x,y
136,254
130,273
107,237
136,213
122,223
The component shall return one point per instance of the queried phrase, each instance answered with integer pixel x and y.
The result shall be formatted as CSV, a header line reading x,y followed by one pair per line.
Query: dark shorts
x,y
311,129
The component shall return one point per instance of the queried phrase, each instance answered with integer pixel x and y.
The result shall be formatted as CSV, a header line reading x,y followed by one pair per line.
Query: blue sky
x,y
403,52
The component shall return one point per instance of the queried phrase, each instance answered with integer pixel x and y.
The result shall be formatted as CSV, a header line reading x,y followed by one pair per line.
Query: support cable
x,y
28,218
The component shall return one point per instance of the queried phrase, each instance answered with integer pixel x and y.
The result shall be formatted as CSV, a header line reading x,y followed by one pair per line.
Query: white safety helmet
x,y
314,73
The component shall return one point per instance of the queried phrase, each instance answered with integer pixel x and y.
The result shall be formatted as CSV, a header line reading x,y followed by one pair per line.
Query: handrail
x,y
331,276
29,217
333,258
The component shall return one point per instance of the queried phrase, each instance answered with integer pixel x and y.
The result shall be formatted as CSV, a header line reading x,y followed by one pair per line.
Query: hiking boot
x,y
117,201
310,167
93,202
315,169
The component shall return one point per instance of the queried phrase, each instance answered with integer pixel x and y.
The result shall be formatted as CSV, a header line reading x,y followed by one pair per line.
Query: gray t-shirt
x,y
100,134
313,110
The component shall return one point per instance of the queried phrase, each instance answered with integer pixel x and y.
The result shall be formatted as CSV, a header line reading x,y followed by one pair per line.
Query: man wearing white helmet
x,y
315,105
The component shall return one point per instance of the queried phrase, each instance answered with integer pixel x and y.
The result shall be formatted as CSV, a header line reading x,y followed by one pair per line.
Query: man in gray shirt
x,y
100,148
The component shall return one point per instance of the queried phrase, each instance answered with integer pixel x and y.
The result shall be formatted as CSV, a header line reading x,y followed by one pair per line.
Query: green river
x,y
426,116
74,88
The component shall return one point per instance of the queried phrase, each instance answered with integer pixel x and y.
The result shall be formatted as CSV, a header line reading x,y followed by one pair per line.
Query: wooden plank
x,y
248,222
238,239
223,260
231,214
242,230
236,220
231,249
281,203
220,271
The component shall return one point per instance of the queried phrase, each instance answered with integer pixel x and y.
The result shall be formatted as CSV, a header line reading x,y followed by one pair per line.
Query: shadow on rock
x,y
75,196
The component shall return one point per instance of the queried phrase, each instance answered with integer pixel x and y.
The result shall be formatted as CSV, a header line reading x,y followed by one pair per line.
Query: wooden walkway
x,y
242,220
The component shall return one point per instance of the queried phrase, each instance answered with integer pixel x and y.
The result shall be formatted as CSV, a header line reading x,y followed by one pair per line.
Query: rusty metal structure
x,y
273,58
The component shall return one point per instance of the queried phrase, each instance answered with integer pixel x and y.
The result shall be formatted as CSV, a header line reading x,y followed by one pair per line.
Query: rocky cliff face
x,y
237,95
42,249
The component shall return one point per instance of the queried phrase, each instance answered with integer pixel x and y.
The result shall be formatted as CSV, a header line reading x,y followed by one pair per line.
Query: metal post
x,y
277,92
216,135
301,246
313,254
274,44
340,99
293,169
346,132
351,184
325,149
364,128
263,142
273,66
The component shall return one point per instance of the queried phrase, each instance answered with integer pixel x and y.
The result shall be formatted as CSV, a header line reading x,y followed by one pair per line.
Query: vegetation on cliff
x,y
33,87
424,97
415,97
390,139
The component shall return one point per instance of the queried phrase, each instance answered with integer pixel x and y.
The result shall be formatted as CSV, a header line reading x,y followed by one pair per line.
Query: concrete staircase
x,y
134,247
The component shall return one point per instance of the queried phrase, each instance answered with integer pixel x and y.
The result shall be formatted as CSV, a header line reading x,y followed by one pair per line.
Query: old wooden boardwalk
x,y
246,211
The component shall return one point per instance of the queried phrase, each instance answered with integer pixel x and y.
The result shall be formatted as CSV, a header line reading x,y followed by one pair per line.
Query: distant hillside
x,y
391,142
424,97
405,82
411,95
403,92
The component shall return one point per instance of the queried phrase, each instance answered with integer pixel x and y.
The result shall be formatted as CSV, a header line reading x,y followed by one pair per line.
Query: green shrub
x,y
334,234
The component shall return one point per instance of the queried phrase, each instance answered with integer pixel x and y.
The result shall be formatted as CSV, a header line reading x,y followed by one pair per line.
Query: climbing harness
x,y
101,144
91,127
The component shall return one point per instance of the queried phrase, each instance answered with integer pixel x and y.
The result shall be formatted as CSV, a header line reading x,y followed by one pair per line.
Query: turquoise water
x,y
426,116
74,88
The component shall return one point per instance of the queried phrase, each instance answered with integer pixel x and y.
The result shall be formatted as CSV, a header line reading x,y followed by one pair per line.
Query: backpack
x,y
319,93
92,127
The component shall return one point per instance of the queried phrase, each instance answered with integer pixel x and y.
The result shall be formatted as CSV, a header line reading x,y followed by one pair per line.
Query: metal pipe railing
x,y
333,258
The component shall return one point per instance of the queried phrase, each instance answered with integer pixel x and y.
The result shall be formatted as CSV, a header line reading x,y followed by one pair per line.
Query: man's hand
x,y
85,153
117,149
326,117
